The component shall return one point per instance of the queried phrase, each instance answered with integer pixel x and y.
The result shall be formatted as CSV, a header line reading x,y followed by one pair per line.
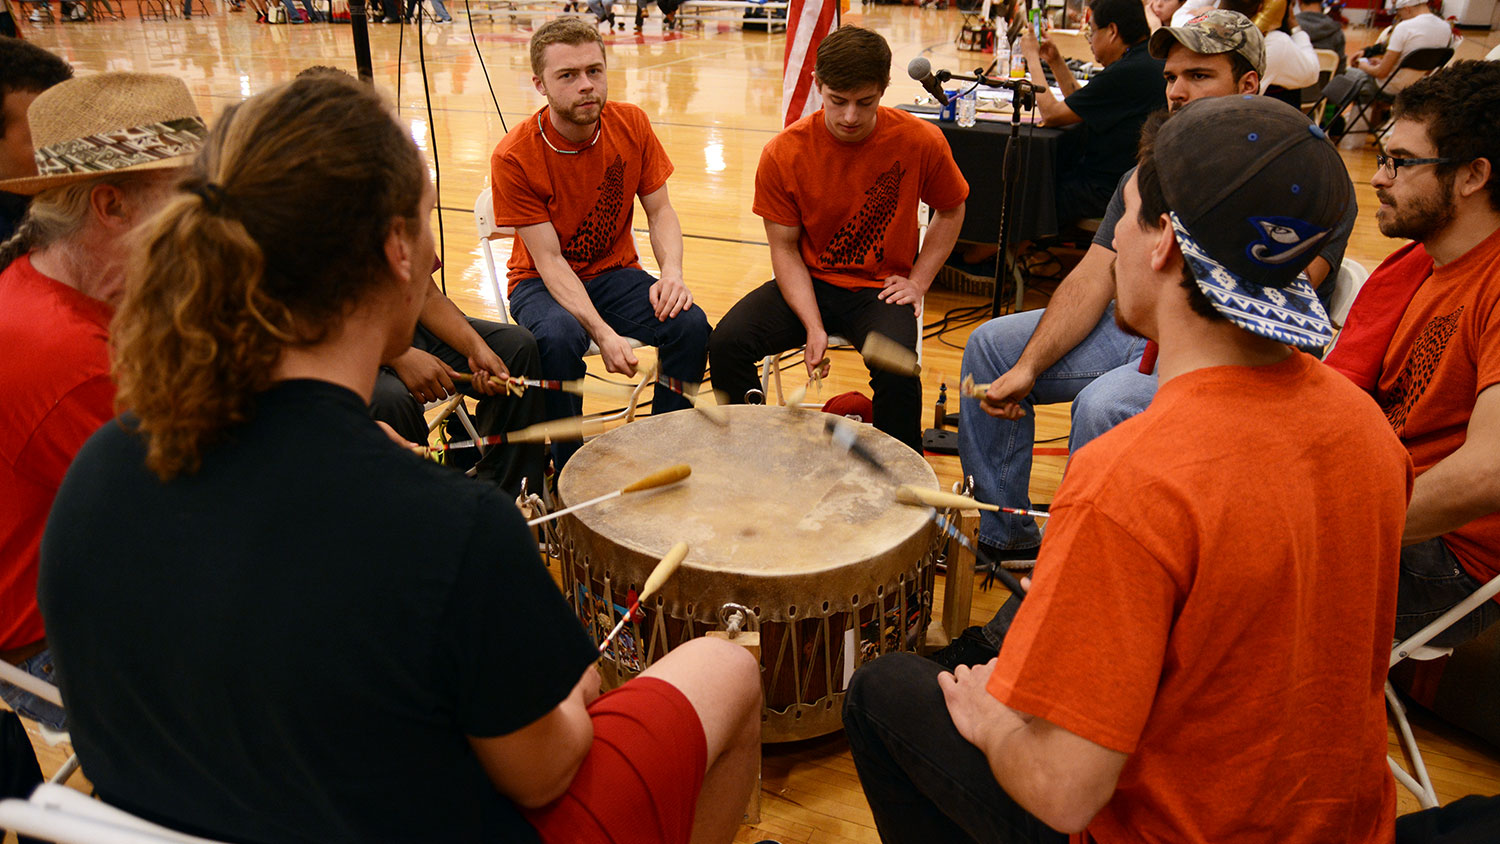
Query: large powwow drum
x,y
779,521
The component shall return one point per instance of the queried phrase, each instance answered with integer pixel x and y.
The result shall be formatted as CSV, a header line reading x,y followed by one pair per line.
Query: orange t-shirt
x,y
856,203
1445,352
587,196
1215,596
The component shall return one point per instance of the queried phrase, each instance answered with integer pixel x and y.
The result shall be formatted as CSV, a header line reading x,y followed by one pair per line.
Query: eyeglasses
x,y
1390,164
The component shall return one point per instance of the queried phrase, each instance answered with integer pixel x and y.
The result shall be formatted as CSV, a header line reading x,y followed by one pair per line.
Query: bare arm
x,y
1317,272
1060,777
566,288
1076,307
669,295
942,233
535,765
1382,68
1055,112
795,284
1463,486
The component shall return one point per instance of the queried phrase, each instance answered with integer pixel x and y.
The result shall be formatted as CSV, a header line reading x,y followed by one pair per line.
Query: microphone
x,y
920,69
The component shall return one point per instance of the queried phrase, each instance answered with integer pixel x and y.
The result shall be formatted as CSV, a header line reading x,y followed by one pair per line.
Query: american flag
x,y
807,21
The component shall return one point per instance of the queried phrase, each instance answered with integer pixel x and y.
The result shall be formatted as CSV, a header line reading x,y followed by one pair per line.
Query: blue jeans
x,y
622,299
1099,376
29,705
1431,583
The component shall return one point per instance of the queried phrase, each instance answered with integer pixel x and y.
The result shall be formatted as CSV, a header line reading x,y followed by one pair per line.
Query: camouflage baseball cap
x,y
1212,32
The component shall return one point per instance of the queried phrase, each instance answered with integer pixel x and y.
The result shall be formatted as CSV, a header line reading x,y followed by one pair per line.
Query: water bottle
x,y
968,103
1002,51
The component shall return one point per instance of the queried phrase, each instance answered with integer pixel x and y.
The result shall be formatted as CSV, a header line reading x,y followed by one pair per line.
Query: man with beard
x,y
1072,350
1424,338
1216,588
565,179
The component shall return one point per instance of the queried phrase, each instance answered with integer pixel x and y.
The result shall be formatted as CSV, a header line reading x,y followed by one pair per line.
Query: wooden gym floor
x,y
714,94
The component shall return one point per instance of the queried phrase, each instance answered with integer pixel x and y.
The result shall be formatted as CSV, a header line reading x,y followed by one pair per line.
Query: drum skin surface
x,y
777,519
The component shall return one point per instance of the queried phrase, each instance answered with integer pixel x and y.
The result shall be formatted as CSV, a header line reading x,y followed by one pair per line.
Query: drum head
x,y
769,495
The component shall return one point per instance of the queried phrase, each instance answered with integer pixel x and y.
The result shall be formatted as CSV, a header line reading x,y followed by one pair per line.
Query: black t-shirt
x,y
1113,107
291,644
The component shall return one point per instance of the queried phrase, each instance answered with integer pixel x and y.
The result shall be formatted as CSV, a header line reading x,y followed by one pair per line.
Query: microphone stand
x,y
1023,97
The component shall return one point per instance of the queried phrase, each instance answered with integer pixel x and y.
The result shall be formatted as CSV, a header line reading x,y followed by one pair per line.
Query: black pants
x,y
924,781
762,324
505,465
1431,583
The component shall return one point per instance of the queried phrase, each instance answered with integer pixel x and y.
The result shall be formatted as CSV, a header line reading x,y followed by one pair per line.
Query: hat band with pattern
x,y
1290,314
122,148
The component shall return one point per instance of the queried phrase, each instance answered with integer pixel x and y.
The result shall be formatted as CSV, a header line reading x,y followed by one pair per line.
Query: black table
x,y
979,151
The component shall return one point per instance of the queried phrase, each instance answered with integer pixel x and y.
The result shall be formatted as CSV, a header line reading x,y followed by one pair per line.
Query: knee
x,y
390,399
885,680
559,334
1110,400
995,346
689,328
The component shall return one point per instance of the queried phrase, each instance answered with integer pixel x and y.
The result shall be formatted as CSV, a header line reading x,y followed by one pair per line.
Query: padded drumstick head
x,y
663,571
794,399
908,494
599,389
972,390
881,352
669,475
707,403
557,430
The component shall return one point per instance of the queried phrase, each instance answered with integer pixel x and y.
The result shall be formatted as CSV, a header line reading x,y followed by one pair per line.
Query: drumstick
x,y
980,393
659,575
607,390
909,494
881,352
705,402
798,395
844,437
669,475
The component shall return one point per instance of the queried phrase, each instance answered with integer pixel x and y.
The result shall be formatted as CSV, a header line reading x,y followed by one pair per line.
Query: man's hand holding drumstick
x,y
1002,397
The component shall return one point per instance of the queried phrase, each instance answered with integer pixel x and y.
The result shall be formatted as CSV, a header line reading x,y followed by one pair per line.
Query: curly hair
x,y
279,234
851,58
1461,106
27,67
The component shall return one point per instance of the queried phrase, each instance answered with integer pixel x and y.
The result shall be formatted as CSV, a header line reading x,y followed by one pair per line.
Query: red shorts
x,y
641,779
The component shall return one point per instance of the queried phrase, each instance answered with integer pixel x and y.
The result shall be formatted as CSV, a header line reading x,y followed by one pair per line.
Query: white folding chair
x,y
770,368
58,813
485,228
1346,286
46,691
1417,782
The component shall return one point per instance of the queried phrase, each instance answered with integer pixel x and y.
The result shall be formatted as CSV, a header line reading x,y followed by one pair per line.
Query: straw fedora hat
x,y
108,123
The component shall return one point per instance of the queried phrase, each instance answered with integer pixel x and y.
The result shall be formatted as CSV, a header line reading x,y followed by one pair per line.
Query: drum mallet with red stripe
x,y
659,575
662,477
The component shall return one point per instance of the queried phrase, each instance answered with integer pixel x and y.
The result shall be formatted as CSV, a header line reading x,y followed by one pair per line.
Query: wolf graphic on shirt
x,y
1425,355
864,234
596,232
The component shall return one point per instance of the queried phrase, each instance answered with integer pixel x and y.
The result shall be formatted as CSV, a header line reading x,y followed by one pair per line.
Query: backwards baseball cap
x,y
1212,32
1255,190
1402,4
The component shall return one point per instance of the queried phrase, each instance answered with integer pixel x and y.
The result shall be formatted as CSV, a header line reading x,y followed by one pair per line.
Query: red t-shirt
x,y
55,379
1215,596
856,203
1445,352
588,196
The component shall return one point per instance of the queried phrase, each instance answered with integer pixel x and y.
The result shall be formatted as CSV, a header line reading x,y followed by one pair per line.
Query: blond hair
x,y
281,233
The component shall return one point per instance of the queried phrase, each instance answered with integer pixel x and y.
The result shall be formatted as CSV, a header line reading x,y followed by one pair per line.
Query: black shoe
x,y
970,648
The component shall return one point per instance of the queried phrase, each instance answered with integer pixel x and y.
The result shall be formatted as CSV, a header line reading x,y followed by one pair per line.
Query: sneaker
x,y
37,16
970,648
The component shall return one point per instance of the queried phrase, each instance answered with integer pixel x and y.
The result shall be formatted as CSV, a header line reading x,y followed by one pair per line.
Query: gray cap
x,y
1255,191
1212,32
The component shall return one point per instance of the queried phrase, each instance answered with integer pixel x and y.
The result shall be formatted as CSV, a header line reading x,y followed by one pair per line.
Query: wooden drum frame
x,y
778,520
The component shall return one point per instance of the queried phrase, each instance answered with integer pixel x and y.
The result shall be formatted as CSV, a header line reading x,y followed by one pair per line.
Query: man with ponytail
x,y
107,148
272,623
